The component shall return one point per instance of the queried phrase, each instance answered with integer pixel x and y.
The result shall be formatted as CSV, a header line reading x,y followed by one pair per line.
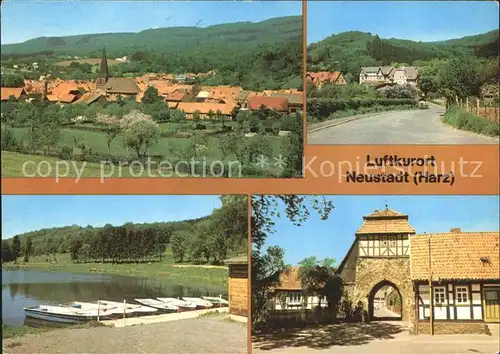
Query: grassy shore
x,y
166,271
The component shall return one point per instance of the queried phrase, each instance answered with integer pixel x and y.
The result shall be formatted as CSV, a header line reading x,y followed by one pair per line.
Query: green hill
x,y
257,56
349,51
226,38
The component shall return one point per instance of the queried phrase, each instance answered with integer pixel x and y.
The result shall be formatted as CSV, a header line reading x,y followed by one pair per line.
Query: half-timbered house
x,y
456,275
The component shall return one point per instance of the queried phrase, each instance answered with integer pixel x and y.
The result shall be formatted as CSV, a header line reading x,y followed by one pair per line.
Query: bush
x,y
9,141
461,119
200,126
291,123
66,153
253,125
177,116
276,128
161,117
399,91
321,108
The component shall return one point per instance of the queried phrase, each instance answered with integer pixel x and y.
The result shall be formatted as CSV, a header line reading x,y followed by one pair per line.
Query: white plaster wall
x,y
463,313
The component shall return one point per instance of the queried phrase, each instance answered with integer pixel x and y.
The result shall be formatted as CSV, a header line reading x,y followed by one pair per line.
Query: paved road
x,y
384,312
201,335
421,126
375,341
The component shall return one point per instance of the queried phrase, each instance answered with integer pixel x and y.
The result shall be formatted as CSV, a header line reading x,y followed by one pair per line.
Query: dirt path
x,y
201,335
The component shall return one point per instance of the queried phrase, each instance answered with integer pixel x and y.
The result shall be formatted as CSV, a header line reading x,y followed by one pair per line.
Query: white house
x,y
289,294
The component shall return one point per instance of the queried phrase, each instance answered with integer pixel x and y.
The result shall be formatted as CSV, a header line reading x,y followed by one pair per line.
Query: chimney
x,y
456,230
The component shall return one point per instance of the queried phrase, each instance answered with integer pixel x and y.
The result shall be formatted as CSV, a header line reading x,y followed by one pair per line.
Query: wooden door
x,y
492,305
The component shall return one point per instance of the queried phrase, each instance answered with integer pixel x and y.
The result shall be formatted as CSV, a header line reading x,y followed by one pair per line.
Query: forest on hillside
x,y
349,51
256,56
457,68
210,239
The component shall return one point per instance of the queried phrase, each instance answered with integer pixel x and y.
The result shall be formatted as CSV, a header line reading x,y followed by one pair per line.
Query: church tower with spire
x,y
103,71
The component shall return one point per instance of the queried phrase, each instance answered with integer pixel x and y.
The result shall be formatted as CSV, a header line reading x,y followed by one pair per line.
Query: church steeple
x,y
103,70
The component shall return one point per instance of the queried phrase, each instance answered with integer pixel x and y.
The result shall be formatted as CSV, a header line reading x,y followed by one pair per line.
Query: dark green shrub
x,y
66,153
9,141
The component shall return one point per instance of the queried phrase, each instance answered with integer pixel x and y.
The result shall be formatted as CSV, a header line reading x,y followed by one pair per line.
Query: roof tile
x,y
456,256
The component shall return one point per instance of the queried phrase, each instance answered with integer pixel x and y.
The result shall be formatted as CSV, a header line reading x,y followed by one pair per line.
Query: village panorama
x,y
216,101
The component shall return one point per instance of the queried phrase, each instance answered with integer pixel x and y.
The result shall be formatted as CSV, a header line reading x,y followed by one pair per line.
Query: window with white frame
x,y
294,298
439,295
462,294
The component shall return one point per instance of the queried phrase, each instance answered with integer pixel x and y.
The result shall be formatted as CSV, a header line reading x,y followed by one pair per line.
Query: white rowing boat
x,y
216,301
199,302
181,304
62,314
103,309
160,305
138,309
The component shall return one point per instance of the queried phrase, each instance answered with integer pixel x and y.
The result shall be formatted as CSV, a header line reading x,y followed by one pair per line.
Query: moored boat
x,y
181,304
135,309
199,302
160,305
103,309
61,314
115,308
217,301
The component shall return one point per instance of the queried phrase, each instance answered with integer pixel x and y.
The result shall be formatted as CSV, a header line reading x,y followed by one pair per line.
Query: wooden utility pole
x,y
431,295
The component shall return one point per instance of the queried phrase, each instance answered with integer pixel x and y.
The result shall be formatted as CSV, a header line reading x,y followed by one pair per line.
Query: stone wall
x,y
371,272
452,328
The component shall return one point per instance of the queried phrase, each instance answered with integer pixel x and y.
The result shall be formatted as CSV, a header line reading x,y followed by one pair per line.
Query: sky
x,y
333,237
29,213
413,20
23,20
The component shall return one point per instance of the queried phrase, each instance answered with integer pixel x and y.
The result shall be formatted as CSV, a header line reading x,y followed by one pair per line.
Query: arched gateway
x,y
379,259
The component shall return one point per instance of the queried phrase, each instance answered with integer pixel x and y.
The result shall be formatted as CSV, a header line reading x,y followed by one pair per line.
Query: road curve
x,y
422,126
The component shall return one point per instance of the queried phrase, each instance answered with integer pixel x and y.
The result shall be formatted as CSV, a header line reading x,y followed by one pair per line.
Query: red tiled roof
x,y
205,108
52,98
385,221
456,256
275,103
7,92
225,92
68,98
33,86
89,97
289,280
175,96
65,88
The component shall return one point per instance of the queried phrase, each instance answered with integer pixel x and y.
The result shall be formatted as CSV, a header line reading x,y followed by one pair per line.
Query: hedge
x,y
321,108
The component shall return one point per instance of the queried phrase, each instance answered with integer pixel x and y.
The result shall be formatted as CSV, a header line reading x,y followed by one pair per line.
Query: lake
x,y
21,288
